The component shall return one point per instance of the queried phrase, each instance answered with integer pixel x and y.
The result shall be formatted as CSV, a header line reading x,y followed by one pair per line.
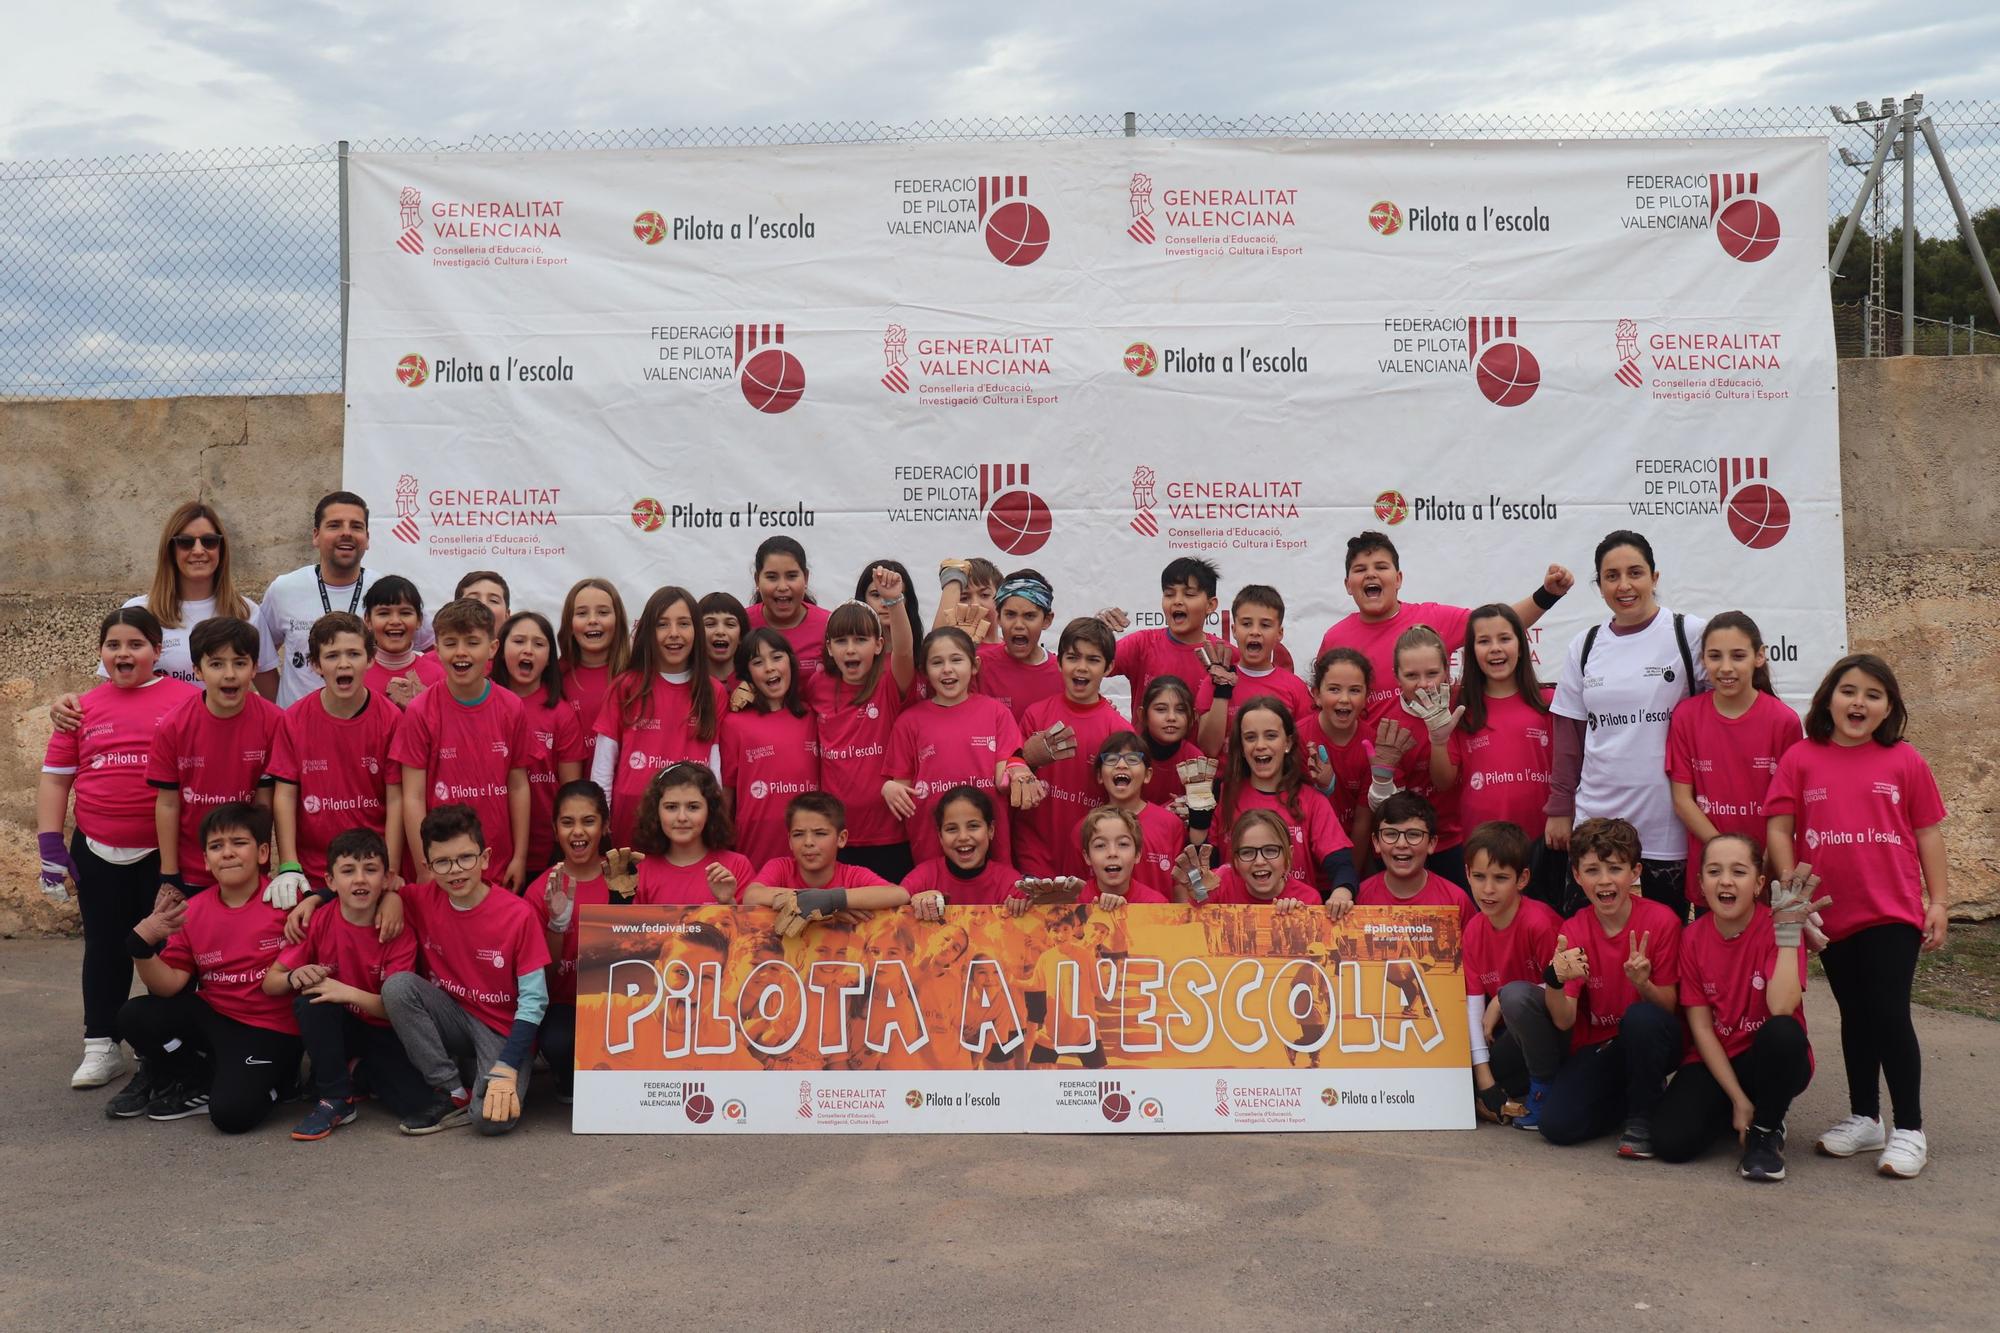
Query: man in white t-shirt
x,y
335,582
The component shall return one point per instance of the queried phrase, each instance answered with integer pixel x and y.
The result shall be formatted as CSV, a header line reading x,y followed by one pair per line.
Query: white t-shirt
x,y
174,660
1625,704
291,604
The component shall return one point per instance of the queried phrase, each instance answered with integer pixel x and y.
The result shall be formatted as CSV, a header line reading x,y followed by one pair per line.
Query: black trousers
x,y
1870,973
111,899
557,1038
1602,1085
333,1036
183,1040
1694,1111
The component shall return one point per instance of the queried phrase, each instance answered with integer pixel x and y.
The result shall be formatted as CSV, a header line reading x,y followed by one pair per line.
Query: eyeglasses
x,y
1411,836
1267,852
210,541
444,865
1123,759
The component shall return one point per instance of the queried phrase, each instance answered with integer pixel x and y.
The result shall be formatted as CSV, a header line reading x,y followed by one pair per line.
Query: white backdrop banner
x,y
1093,356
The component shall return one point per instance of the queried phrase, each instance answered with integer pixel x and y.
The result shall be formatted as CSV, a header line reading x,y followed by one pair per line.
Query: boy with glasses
x,y
1406,834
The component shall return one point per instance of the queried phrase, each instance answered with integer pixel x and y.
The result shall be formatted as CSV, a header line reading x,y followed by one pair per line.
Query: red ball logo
x,y
700,1108
650,227
1019,522
1139,359
1508,374
1016,233
413,370
772,380
1117,1107
1391,507
1759,516
1385,218
648,514
1747,229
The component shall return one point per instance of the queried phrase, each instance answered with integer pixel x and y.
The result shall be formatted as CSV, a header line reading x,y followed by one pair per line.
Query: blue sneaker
x,y
1531,1105
324,1118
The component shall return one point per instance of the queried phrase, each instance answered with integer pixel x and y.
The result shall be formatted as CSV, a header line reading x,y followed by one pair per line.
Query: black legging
x,y
111,899
242,1067
557,1038
1870,973
1694,1111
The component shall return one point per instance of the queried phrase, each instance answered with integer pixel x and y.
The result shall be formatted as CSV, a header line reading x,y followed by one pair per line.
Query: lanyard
x,y
353,603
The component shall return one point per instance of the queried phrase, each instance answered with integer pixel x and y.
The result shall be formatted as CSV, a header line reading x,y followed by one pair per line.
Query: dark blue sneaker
x,y
1531,1105
324,1118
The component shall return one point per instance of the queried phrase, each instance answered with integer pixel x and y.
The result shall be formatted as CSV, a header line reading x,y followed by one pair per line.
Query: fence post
x,y
1910,225
1867,325
1131,124
343,267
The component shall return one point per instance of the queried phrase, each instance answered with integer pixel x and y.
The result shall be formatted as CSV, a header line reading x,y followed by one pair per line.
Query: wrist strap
x,y
1550,979
1546,599
138,946
175,878
291,868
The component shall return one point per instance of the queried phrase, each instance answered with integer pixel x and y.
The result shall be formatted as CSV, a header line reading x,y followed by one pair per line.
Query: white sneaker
x,y
103,1061
1906,1154
1853,1135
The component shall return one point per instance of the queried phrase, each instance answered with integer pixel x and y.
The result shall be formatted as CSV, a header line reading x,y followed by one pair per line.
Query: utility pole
x,y
1875,305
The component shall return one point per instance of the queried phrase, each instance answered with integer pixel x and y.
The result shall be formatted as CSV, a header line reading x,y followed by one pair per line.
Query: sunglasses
x,y
210,541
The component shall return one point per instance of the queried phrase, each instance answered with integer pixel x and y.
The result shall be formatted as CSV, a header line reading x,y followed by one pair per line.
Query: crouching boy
x,y
333,979
483,1003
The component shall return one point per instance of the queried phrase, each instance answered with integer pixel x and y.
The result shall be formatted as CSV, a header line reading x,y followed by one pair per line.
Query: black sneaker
x,y
1763,1155
442,1113
132,1100
1637,1140
178,1103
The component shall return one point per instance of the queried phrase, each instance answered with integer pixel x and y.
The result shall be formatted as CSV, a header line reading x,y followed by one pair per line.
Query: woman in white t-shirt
x,y
1616,695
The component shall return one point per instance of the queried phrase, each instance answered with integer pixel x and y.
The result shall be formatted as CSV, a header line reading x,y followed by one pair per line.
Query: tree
x,y
1948,286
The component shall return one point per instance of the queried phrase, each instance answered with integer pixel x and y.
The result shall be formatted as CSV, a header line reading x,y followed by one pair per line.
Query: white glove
x,y
1433,706
285,890
55,889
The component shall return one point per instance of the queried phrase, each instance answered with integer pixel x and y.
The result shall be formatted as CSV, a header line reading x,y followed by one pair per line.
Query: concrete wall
x,y
1920,446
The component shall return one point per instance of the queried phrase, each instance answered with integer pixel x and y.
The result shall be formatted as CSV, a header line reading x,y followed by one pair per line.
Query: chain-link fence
x,y
218,272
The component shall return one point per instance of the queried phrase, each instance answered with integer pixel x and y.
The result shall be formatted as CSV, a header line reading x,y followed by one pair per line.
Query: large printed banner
x,y
1096,355
701,1020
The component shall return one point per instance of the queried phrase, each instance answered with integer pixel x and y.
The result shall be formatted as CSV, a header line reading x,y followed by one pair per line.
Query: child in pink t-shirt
x,y
784,600
1257,622
965,875
1499,754
770,743
1259,869
1405,832
1412,751
812,884
1166,721
582,878
1334,740
1182,646
556,749
665,707
1064,733
1859,804
1723,745
867,665
685,835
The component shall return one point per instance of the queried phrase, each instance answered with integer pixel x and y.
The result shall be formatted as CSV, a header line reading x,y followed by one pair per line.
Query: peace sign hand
x,y
1638,964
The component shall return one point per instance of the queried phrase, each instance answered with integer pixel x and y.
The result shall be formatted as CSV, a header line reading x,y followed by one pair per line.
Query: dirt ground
x,y
173,1226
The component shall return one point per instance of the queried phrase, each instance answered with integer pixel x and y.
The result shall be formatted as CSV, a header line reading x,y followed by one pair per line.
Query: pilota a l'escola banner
x,y
704,1020
1095,356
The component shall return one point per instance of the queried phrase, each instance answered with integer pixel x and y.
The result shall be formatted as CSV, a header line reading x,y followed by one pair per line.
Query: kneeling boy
x,y
484,1000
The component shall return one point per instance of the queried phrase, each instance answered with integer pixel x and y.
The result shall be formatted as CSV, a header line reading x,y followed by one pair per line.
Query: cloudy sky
x,y
91,77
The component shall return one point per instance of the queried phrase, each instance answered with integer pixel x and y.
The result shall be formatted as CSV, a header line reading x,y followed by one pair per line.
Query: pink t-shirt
x,y
1856,810
429,671
808,637
1436,892
1165,785
228,950
990,887
554,737
1376,640
342,768
593,892
1234,890
1016,685
108,753
767,759
356,957
478,956
936,748
1494,958
1728,978
1286,687
853,749
1316,834
585,688
211,761
1044,835
1414,775
663,733
1503,771
1350,766
782,872
1729,763
466,752
1603,997
664,884
1146,653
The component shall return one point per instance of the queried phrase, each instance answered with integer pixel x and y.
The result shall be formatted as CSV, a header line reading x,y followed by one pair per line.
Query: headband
x,y
1033,590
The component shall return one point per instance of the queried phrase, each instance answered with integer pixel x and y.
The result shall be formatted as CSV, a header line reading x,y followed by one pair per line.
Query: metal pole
x,y
343,266
1909,228
1131,124
1869,184
1867,325
1965,231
